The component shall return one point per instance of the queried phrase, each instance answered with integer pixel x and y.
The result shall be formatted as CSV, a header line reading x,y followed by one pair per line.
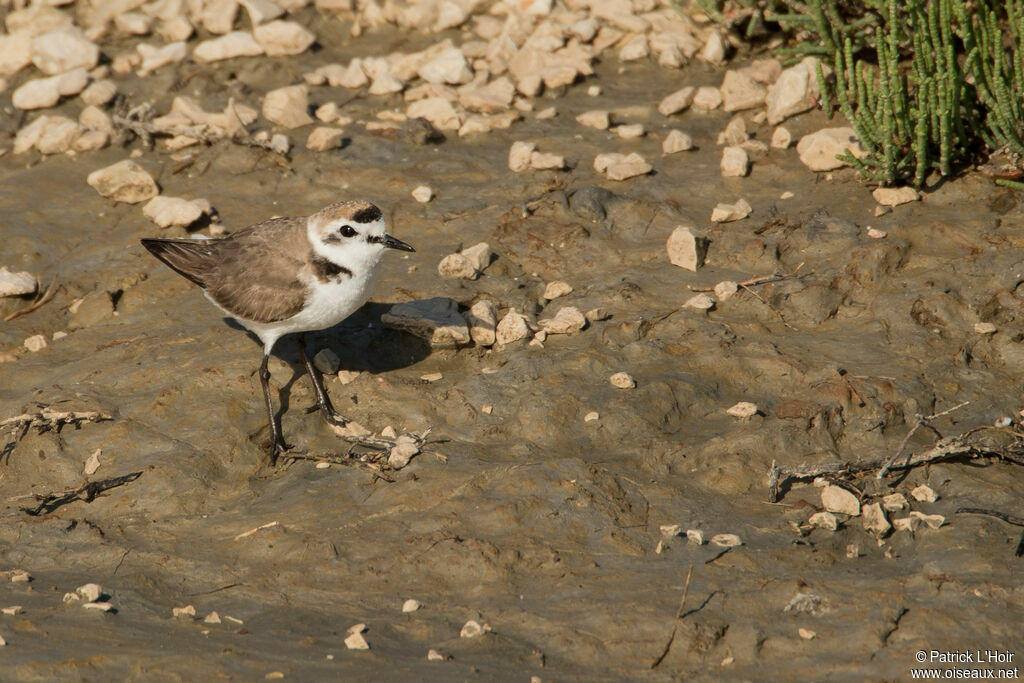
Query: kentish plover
x,y
288,275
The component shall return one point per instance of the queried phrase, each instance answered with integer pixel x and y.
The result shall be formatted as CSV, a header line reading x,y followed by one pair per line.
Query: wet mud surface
x,y
540,524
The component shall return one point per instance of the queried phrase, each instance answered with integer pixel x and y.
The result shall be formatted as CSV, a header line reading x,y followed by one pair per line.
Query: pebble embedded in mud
x,y
894,502
700,302
837,499
93,463
735,162
621,166
410,605
17,283
457,267
740,91
435,656
894,196
931,521
875,520
743,410
169,212
556,289
924,494
124,181
90,592
630,131
473,629
725,290
985,328
707,98
35,343
288,106
229,46
592,416
622,380
818,150
794,91
482,318
13,610
512,328
569,319
726,540
695,536
676,141
685,249
423,194
356,641
401,454
212,618
280,38
824,520
187,612
677,101
781,138
725,213
324,139
595,119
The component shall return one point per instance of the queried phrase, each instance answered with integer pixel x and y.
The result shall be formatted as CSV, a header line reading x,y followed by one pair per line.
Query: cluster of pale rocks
x,y
440,322
840,504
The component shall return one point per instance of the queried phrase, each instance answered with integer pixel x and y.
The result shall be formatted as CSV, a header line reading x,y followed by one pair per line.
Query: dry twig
x,y
922,421
51,291
87,492
675,621
47,418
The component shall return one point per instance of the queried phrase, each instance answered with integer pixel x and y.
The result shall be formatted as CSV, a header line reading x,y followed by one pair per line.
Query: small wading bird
x,y
288,275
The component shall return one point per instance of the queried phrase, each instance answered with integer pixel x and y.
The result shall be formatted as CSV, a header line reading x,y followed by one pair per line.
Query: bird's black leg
x,y
323,401
277,444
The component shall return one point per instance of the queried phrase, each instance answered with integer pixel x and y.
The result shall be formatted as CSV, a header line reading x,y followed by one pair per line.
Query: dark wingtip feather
x,y
185,257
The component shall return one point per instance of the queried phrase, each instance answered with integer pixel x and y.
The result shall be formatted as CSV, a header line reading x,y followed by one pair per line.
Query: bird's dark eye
x,y
347,231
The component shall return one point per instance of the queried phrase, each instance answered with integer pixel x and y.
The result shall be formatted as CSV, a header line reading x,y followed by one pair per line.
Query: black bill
x,y
395,243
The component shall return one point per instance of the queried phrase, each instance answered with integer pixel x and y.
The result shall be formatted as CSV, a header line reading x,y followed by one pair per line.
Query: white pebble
x,y
726,540
592,416
410,605
423,194
924,494
743,409
622,380
837,499
36,342
90,592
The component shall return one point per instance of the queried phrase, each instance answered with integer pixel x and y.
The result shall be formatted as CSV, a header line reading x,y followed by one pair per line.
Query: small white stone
x,y
401,454
432,377
676,141
931,521
153,58
479,255
592,416
568,320
677,101
63,49
187,612
435,656
806,634
634,48
713,51
794,91
229,46
876,234
93,463
743,410
512,328
594,91
725,213
781,138
124,181
410,605
786,195
595,119
13,610
894,196
519,156
17,284
824,520
555,289
725,289
348,376
457,267
621,167
740,91
700,302
837,499
735,162
99,93
448,66
875,520
707,98
287,106
482,319
924,494
171,211
356,641
35,343
212,618
101,606
423,194
280,38
324,138
726,540
631,131
622,380
980,328
894,502
90,592
818,151
695,536
473,629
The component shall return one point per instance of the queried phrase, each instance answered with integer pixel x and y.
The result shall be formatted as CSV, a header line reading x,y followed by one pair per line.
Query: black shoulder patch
x,y
326,270
367,215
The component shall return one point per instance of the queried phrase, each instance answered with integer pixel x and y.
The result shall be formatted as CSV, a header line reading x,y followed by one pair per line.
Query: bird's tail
x,y
190,258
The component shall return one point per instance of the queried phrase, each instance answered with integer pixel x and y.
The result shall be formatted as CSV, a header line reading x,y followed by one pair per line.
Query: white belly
x,y
327,305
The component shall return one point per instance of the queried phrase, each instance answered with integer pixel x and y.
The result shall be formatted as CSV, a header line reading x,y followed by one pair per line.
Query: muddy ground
x,y
539,524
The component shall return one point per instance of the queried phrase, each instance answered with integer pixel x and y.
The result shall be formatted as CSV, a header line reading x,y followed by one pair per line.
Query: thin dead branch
x,y
948,448
50,292
675,621
759,280
46,419
86,492
922,421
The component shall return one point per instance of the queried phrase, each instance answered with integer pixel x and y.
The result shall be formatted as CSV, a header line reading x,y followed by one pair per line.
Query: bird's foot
x,y
332,416
279,448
